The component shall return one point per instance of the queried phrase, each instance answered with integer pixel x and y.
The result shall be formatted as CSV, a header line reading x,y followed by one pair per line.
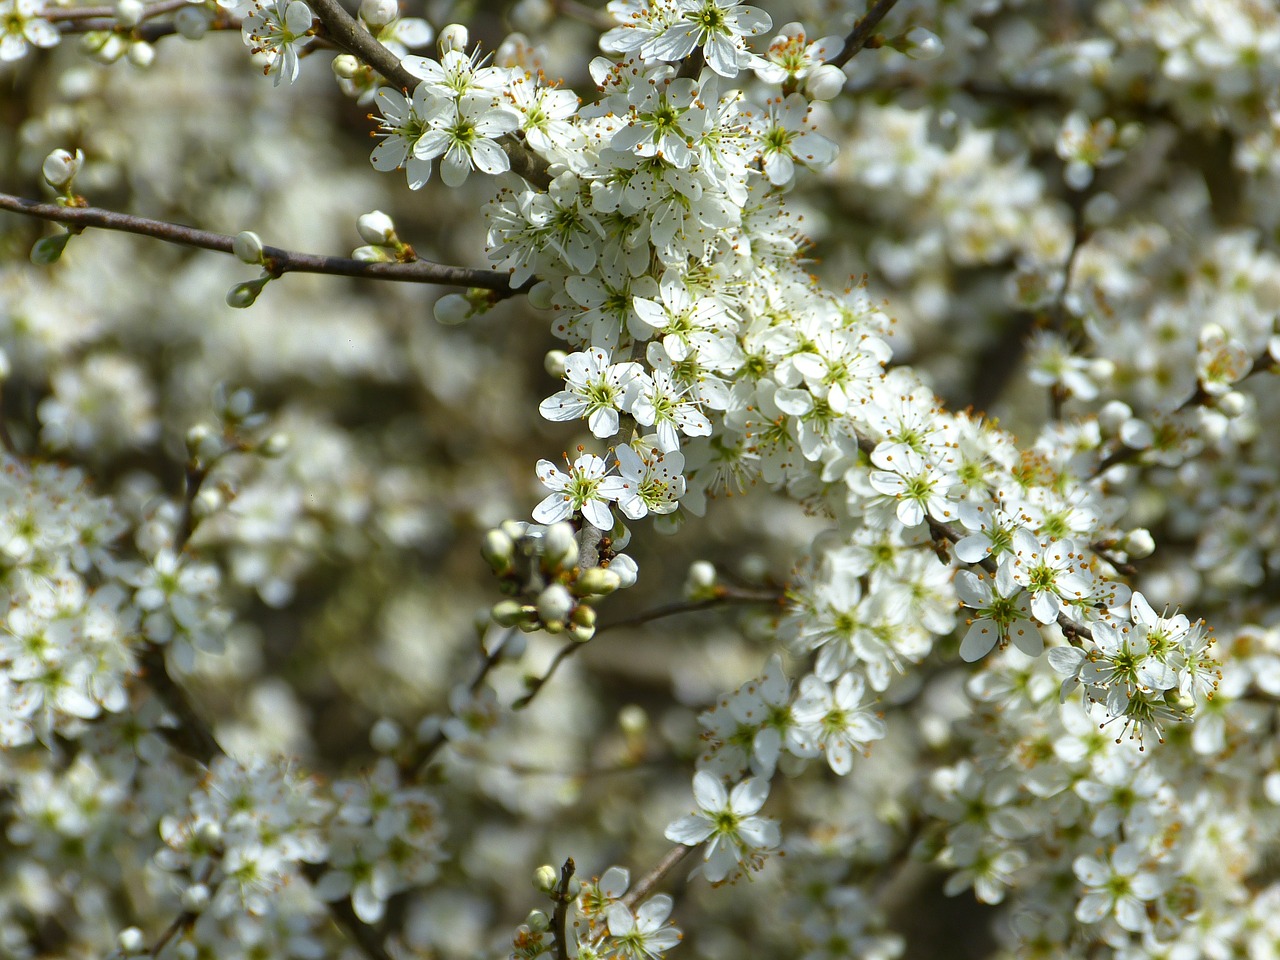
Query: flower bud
x,y
537,921
559,547
922,44
370,254
597,582
824,82
553,363
247,246
1139,544
511,613
60,168
453,37
244,294
701,582
633,720
626,569
48,250
378,13
345,66
201,442
452,309
555,603
1231,404
385,735
141,54
131,941
376,228
545,879
207,502
531,16
276,445
195,898
209,837
499,551
582,625
129,13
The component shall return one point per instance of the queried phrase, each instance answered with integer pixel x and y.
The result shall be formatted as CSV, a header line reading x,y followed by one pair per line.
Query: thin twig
x,y
560,916
644,886
60,16
863,31
726,596
414,766
277,261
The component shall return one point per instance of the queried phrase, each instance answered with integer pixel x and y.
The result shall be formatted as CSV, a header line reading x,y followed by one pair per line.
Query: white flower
x,y
738,838
1002,615
21,26
1049,572
919,487
644,934
597,390
463,134
718,26
785,139
403,123
279,30
651,484
668,407
585,488
833,721
1117,886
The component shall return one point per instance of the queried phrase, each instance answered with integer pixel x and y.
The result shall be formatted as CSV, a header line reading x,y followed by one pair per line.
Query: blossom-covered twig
x,y
276,260
644,886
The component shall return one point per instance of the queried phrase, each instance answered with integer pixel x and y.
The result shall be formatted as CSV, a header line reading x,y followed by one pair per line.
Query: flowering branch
x,y
863,31
560,916
724,596
277,261
670,860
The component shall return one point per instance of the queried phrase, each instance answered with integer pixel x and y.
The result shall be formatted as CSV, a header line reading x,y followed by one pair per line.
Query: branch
x,y
560,916
862,31
347,32
277,260
725,596
644,886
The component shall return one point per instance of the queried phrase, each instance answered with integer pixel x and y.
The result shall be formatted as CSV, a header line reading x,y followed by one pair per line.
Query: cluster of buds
x,y
552,575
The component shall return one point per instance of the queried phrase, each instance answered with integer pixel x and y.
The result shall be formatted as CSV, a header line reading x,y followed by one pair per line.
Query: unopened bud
x,y
582,625
626,570
373,254
825,82
345,66
60,168
245,294
1139,543
129,12
378,13
195,898
922,44
537,921
141,54
276,445
385,735
209,836
559,547
1232,403
202,444
376,228
545,878
511,613
131,941
454,37
499,551
553,363
555,603
452,309
701,581
540,296
597,582
633,720
48,250
247,246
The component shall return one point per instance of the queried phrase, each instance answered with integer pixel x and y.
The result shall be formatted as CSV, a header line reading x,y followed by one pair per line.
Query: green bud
x,y
48,250
582,625
244,294
596,582
512,613
499,551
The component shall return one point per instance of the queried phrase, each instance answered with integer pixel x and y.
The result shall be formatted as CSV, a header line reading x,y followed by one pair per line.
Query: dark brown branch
x,y
560,916
277,260
349,34
863,30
